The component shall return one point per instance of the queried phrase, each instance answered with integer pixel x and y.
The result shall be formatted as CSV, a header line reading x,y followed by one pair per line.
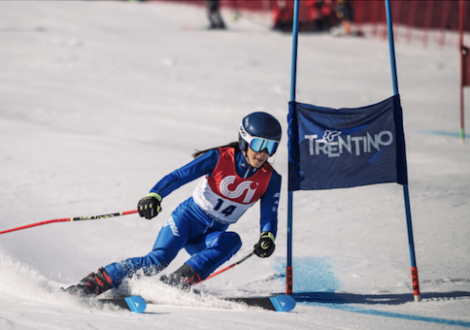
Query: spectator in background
x,y
344,13
319,15
215,19
282,17
317,18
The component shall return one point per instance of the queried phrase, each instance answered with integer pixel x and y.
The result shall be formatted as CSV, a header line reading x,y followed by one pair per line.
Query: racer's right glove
x,y
149,206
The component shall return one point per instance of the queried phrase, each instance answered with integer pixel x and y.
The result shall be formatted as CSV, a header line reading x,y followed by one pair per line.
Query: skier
x,y
215,19
233,178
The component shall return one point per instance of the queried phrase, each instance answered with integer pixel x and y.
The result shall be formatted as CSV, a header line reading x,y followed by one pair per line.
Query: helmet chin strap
x,y
247,160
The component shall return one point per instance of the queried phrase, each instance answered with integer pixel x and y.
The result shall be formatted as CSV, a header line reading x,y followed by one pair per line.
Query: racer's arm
x,y
200,166
149,206
268,220
269,204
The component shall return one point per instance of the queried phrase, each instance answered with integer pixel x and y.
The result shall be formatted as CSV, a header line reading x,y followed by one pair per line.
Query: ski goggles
x,y
258,144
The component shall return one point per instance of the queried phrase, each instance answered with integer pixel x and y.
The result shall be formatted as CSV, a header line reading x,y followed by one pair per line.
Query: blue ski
x,y
282,303
134,304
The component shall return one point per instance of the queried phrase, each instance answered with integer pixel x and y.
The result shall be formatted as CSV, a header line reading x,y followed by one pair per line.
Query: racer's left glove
x,y
265,246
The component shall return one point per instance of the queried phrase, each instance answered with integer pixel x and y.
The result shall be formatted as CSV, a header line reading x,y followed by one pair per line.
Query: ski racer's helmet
x,y
260,131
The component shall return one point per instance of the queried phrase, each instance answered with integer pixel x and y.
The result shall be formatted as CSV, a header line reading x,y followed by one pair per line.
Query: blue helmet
x,y
260,131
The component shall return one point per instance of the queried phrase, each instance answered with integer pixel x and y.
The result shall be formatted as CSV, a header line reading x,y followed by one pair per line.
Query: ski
x,y
282,303
134,304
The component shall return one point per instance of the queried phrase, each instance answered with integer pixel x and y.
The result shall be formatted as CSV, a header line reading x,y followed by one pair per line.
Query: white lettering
x,y
370,141
310,143
170,222
344,144
390,138
321,147
333,149
351,144
357,140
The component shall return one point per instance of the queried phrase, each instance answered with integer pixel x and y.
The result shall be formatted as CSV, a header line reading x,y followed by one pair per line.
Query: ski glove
x,y
149,206
265,246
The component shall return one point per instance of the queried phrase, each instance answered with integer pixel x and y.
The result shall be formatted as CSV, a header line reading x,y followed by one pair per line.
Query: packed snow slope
x,y
99,100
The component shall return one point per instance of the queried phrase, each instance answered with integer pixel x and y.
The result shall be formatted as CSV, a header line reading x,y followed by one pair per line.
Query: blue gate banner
x,y
348,147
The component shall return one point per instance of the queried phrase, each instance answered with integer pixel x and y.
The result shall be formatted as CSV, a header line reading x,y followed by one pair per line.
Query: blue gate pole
x,y
414,268
290,198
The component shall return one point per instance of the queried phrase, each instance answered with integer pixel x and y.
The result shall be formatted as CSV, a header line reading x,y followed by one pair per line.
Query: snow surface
x,y
99,100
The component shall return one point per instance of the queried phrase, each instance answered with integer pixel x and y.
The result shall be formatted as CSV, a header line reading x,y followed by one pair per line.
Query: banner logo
x,y
330,135
333,145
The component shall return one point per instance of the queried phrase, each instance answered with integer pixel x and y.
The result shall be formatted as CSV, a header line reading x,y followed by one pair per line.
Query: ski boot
x,y
92,285
183,278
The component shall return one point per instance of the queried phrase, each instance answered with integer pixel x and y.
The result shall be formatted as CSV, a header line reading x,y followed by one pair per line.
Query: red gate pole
x,y
411,19
445,17
427,21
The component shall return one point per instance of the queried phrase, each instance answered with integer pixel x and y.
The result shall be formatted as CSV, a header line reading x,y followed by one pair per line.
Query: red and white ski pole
x,y
93,217
228,267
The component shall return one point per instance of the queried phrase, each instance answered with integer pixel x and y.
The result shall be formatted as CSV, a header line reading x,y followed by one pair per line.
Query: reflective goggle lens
x,y
258,145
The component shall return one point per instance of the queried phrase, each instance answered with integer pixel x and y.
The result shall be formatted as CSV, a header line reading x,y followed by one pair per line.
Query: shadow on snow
x,y
372,299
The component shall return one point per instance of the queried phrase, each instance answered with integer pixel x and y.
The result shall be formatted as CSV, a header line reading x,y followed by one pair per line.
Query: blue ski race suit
x,y
202,234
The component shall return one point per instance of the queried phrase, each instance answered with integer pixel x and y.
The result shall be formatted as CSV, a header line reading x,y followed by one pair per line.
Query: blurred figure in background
x,y
319,16
344,13
282,16
215,19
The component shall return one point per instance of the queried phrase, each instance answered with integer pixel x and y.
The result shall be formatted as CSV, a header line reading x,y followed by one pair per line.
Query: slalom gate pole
x,y
229,267
93,217
290,197
414,268
462,70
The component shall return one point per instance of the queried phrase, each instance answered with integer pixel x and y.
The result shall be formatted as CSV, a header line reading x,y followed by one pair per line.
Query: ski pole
x,y
228,267
93,217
